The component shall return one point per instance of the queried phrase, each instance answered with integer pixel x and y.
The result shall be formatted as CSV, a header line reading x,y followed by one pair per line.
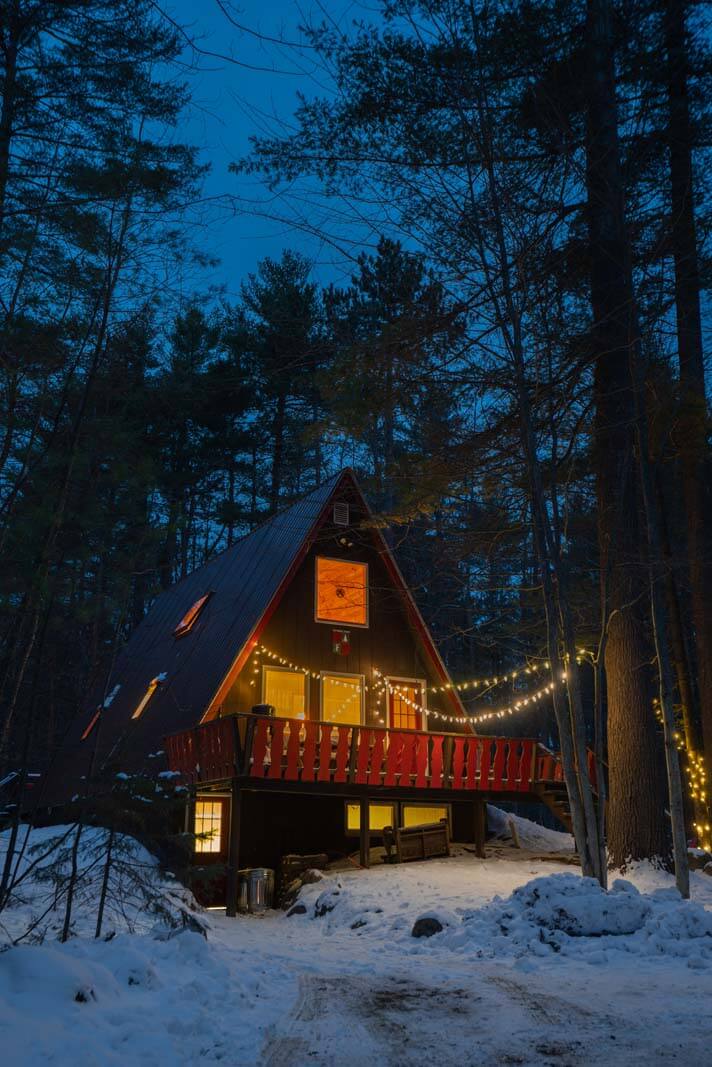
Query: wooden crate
x,y
417,842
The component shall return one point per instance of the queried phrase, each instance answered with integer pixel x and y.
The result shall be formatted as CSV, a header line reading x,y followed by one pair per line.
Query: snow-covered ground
x,y
522,972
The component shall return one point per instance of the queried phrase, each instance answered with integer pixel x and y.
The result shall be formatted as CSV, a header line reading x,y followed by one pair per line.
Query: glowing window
x,y
342,698
420,814
208,825
402,714
189,619
379,815
153,686
286,691
341,591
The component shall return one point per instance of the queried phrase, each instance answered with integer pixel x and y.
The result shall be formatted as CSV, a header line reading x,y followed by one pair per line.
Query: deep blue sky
x,y
227,102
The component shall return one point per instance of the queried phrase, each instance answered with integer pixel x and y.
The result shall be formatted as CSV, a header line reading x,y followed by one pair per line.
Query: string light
x,y
491,681
282,661
382,685
501,713
697,780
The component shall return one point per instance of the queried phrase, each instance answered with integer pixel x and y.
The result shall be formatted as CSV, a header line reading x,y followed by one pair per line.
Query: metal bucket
x,y
255,889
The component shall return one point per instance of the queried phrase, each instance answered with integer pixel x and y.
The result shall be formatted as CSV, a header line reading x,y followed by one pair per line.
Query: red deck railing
x,y
290,750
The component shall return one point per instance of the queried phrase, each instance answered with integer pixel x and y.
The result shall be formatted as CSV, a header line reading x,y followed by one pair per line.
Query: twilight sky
x,y
231,102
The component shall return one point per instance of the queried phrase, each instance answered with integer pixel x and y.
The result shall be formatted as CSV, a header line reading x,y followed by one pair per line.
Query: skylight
x,y
191,616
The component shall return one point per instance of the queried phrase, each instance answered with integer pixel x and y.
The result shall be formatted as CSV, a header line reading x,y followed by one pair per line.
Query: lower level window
x,y
208,825
418,814
379,815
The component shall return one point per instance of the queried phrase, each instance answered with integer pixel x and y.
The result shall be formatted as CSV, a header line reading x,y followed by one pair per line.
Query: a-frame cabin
x,y
294,685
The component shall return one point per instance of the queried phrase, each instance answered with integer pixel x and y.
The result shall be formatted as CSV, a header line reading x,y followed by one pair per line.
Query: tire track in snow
x,y
351,1020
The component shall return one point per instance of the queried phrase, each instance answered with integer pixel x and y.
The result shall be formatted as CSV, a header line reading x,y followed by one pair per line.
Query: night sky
x,y
223,115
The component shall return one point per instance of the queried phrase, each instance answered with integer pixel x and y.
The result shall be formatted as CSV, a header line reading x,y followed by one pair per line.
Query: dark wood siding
x,y
388,643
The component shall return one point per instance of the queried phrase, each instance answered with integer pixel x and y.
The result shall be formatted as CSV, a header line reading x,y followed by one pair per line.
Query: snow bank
x,y
560,913
140,896
531,835
133,999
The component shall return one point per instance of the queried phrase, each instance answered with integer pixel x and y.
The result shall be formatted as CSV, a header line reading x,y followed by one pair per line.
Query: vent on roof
x,y
341,514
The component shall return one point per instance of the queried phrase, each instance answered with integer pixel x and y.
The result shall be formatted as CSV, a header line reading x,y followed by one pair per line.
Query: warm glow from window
x,y
188,620
341,591
208,821
418,814
402,715
147,696
285,690
341,698
379,815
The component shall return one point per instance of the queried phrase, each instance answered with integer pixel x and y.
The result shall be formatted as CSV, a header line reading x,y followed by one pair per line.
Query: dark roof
x,y
247,577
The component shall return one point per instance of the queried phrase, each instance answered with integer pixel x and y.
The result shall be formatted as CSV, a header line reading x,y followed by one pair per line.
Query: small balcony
x,y
293,754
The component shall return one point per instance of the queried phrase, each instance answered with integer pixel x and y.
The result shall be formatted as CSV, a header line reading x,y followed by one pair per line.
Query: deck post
x,y
233,849
365,834
480,825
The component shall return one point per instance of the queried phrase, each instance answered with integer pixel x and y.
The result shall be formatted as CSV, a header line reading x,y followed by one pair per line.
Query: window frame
x,y
341,622
342,674
285,670
422,682
219,854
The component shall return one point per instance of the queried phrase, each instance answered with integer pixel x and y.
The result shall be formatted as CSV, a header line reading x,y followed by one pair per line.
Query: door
x,y
401,713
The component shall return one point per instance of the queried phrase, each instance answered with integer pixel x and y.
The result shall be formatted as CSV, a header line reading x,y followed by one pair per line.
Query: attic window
x,y
190,618
341,591
153,686
341,514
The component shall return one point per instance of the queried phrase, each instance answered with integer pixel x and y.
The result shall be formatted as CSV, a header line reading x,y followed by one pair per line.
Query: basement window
x,y
191,616
153,686
341,591
421,814
379,815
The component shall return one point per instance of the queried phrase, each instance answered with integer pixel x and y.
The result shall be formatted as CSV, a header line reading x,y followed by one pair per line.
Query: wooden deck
x,y
245,753
290,753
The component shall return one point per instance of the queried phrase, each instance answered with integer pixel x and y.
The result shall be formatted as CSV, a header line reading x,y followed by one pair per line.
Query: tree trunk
x,y
656,568
637,795
691,429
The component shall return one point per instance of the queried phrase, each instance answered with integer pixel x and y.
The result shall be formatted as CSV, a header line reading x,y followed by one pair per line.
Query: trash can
x,y
255,889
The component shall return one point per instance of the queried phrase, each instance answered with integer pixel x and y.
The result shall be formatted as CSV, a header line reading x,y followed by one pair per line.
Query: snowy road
x,y
346,983
491,1018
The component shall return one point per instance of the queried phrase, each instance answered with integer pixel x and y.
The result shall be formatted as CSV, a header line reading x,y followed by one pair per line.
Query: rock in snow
x,y
426,926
